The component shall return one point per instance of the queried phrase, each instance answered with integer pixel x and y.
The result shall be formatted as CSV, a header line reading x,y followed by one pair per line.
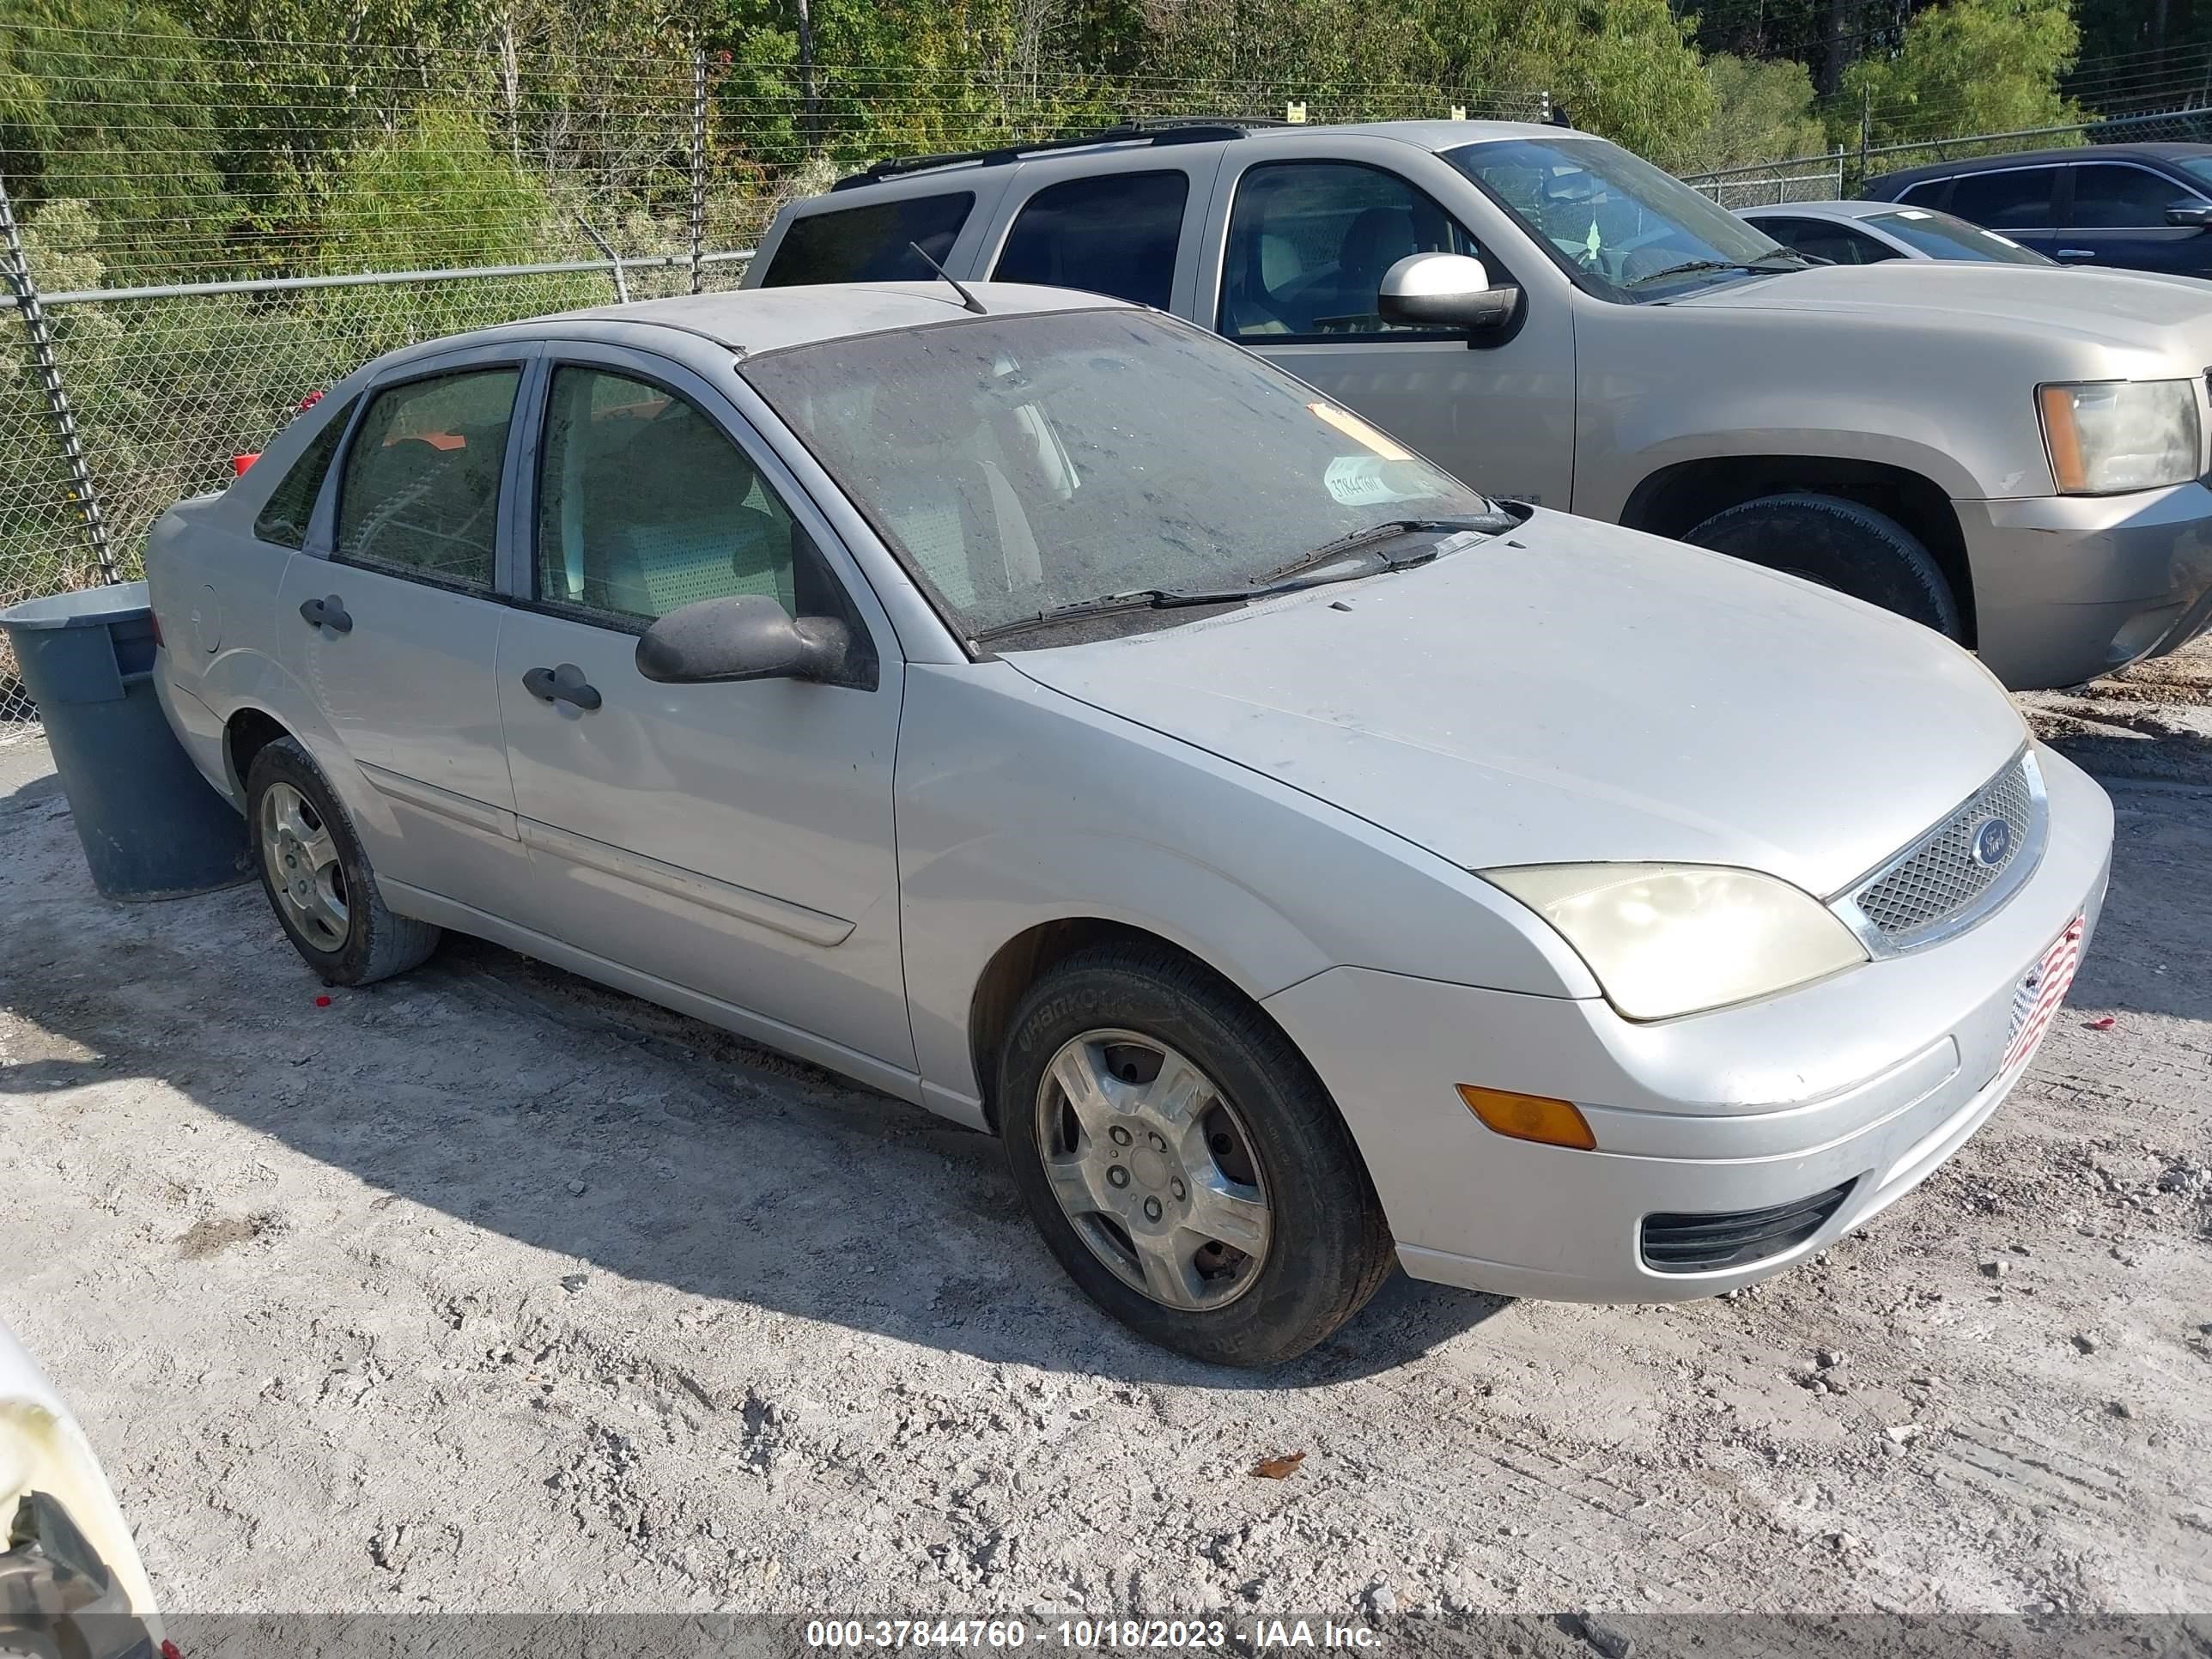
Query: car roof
x,y
1965,164
1433,135
1822,210
750,321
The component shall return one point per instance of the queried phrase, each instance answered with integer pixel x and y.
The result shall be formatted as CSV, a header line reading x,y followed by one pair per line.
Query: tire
x,y
1838,544
326,898
1262,1124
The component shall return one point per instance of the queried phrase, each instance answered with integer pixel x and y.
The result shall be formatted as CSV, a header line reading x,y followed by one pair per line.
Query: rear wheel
x,y
1840,544
1184,1163
317,876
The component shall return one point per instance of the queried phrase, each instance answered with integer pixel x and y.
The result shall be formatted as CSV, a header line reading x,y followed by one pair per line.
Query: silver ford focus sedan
x,y
1038,709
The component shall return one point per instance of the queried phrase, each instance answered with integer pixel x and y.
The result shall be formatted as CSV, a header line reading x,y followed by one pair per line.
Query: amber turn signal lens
x,y
2064,437
1530,1117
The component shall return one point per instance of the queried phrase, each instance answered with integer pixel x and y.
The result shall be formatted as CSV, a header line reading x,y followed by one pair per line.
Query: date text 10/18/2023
x,y
1129,1635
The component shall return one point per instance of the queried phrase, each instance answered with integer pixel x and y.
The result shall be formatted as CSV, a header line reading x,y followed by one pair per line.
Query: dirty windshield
x,y
1631,233
1021,465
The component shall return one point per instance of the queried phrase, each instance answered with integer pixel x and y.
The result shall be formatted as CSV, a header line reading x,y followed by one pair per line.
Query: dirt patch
x,y
212,1235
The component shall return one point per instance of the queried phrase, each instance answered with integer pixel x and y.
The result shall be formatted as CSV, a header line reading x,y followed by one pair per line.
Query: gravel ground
x,y
487,1289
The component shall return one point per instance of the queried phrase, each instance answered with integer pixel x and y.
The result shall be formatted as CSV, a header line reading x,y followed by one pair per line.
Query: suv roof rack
x,y
1136,129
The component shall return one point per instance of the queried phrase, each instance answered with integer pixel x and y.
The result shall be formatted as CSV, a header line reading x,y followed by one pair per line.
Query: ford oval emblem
x,y
1992,840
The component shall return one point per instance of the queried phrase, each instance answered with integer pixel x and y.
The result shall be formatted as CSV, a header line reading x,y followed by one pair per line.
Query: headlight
x,y
1673,938
2108,436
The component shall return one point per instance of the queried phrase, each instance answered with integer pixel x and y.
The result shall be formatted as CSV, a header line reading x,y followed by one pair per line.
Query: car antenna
x,y
966,298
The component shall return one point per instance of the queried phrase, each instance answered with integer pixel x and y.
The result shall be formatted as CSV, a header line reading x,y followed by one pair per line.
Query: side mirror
x,y
1444,290
749,636
2196,215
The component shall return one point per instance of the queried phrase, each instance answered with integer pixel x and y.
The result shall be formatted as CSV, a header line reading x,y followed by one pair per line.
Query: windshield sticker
x,y
1360,432
1364,481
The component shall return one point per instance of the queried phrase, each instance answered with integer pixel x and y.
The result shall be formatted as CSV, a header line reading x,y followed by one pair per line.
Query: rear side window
x,y
1114,234
420,493
2017,198
283,517
1839,245
1927,193
869,244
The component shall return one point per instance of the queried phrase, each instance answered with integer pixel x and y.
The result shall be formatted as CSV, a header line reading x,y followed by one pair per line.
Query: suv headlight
x,y
1665,939
2109,436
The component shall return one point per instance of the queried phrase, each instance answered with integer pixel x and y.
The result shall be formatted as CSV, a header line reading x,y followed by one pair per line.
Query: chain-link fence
x,y
1769,183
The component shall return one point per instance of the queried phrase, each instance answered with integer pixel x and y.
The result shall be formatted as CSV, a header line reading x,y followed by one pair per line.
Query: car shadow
x,y
619,1137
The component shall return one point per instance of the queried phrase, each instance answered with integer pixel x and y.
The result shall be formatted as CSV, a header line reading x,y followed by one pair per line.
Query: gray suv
x,y
2010,454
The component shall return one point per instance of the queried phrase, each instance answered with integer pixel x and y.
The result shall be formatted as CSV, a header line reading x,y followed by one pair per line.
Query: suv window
x,y
644,505
1927,193
869,244
1309,242
2013,198
283,517
420,493
1113,234
2107,195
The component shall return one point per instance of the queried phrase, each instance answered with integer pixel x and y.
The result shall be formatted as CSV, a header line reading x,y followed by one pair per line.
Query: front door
x,y
2117,216
390,629
735,839
1305,249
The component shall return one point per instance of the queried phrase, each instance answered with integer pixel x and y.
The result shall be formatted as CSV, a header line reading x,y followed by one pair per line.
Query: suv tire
x,y
1839,544
1257,1148
317,875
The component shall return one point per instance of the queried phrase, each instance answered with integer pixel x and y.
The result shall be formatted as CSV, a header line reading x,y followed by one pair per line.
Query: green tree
x,y
1762,112
434,192
1965,67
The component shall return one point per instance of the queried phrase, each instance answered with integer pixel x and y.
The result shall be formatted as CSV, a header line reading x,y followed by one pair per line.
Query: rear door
x,y
1292,263
389,624
2021,202
732,840
1121,226
2117,217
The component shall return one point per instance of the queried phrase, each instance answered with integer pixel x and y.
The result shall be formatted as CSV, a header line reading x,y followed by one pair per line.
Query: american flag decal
x,y
2042,988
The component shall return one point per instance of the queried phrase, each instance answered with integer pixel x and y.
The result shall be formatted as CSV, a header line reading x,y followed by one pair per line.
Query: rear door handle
x,y
329,613
2075,253
566,684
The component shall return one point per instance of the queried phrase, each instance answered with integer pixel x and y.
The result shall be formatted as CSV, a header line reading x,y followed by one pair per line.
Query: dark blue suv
x,y
2136,207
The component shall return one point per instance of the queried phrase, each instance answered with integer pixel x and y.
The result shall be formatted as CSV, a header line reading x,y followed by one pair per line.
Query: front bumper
x,y
1872,1078
2068,587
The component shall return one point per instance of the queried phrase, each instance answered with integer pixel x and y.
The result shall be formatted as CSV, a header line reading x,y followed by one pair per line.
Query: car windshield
x,y
1024,465
1940,236
2196,166
1632,232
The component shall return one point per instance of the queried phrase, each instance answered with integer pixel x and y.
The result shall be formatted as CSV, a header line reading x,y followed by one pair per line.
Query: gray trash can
x,y
151,827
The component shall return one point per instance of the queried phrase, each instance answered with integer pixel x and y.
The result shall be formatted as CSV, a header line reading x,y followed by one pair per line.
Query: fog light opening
x,y
1530,1117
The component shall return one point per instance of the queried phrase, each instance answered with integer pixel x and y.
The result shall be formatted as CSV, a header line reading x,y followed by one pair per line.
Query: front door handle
x,y
329,613
566,684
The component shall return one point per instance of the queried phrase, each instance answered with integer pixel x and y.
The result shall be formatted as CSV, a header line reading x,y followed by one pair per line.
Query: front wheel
x,y
1840,544
1184,1163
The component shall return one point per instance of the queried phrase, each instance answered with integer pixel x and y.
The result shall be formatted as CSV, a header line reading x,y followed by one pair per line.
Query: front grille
x,y
1735,1239
1940,881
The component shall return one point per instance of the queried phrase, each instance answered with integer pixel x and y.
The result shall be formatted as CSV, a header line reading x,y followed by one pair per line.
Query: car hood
x,y
1578,691
2120,308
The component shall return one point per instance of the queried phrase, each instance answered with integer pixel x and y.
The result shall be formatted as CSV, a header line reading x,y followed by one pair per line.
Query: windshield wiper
x,y
1492,524
1768,267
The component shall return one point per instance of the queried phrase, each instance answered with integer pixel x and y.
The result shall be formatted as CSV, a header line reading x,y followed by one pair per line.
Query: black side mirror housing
x,y
749,636
1445,290
2196,214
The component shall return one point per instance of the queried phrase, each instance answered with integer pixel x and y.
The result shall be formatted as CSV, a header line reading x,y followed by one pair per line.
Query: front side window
x,y
1018,465
283,517
420,493
644,505
2107,196
1113,234
871,244
1942,237
2015,198
1309,242
1629,232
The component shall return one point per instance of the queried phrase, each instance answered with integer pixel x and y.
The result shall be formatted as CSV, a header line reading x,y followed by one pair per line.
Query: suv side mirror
x,y
749,636
1444,290
2198,215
